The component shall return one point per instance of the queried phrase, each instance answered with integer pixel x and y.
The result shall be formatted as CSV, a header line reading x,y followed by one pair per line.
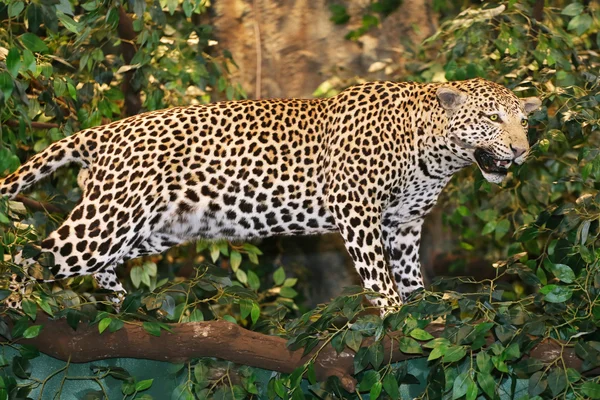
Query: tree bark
x,y
230,342
133,102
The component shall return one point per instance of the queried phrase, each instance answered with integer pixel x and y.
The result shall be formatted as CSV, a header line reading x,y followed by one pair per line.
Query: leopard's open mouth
x,y
490,164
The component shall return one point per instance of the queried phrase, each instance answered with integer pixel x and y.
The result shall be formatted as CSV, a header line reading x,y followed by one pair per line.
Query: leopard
x,y
369,163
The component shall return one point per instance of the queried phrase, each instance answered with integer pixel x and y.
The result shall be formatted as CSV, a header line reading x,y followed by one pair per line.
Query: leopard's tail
x,y
69,149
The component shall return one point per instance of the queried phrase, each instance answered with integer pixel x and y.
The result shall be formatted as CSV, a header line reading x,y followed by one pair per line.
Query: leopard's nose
x,y
518,151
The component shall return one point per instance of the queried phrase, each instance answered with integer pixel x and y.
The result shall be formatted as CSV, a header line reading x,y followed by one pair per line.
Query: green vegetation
x,y
64,68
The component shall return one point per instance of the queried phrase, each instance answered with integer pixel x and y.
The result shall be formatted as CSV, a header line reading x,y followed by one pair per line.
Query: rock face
x,y
287,48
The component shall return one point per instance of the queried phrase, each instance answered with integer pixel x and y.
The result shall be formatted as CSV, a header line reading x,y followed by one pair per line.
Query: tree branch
x,y
34,124
133,102
227,341
38,206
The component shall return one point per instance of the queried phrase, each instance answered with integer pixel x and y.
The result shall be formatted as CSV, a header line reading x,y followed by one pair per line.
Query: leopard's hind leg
x,y
94,238
107,279
155,244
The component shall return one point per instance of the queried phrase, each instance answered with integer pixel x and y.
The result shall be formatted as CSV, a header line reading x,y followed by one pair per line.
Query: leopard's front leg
x,y
402,241
361,229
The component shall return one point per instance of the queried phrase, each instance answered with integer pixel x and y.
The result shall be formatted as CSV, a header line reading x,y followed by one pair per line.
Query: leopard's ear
x,y
450,98
530,104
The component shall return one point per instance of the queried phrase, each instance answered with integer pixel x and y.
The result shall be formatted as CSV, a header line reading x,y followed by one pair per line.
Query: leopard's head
x,y
487,124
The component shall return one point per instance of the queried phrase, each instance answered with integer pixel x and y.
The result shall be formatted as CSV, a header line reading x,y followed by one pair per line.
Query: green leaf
x,y
196,316
241,276
288,292
310,373
6,84
253,280
375,391
487,384
437,353
572,9
30,308
353,339
461,384
512,352
172,6
290,282
472,390
501,229
584,230
115,325
235,259
573,375
488,228
32,331
298,394
152,328
21,367
361,360
409,346
103,324
29,61
43,303
255,313
556,293
28,352
32,42
136,275
253,258
250,248
580,24
557,381
420,334
15,8
68,22
368,380
390,385
339,15
454,353
537,383
376,354
150,268
215,252
143,385
279,276
563,272
73,318
128,388
591,389
245,307
187,8
13,61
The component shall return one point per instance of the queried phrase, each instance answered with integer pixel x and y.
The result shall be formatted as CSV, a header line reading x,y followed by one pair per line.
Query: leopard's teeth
x,y
503,163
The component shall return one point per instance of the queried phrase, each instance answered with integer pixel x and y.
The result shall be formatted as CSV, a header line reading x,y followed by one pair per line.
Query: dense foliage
x,y
66,67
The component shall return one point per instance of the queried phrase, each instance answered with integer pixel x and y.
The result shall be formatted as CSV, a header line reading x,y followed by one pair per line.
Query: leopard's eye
x,y
524,122
493,117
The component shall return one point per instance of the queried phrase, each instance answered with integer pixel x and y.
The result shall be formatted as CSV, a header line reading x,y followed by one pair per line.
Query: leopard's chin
x,y
496,178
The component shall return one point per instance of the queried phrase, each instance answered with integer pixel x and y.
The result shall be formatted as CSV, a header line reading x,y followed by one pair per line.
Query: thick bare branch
x,y
227,341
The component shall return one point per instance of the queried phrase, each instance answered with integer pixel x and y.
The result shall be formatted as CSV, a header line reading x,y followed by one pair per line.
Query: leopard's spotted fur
x,y
369,162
